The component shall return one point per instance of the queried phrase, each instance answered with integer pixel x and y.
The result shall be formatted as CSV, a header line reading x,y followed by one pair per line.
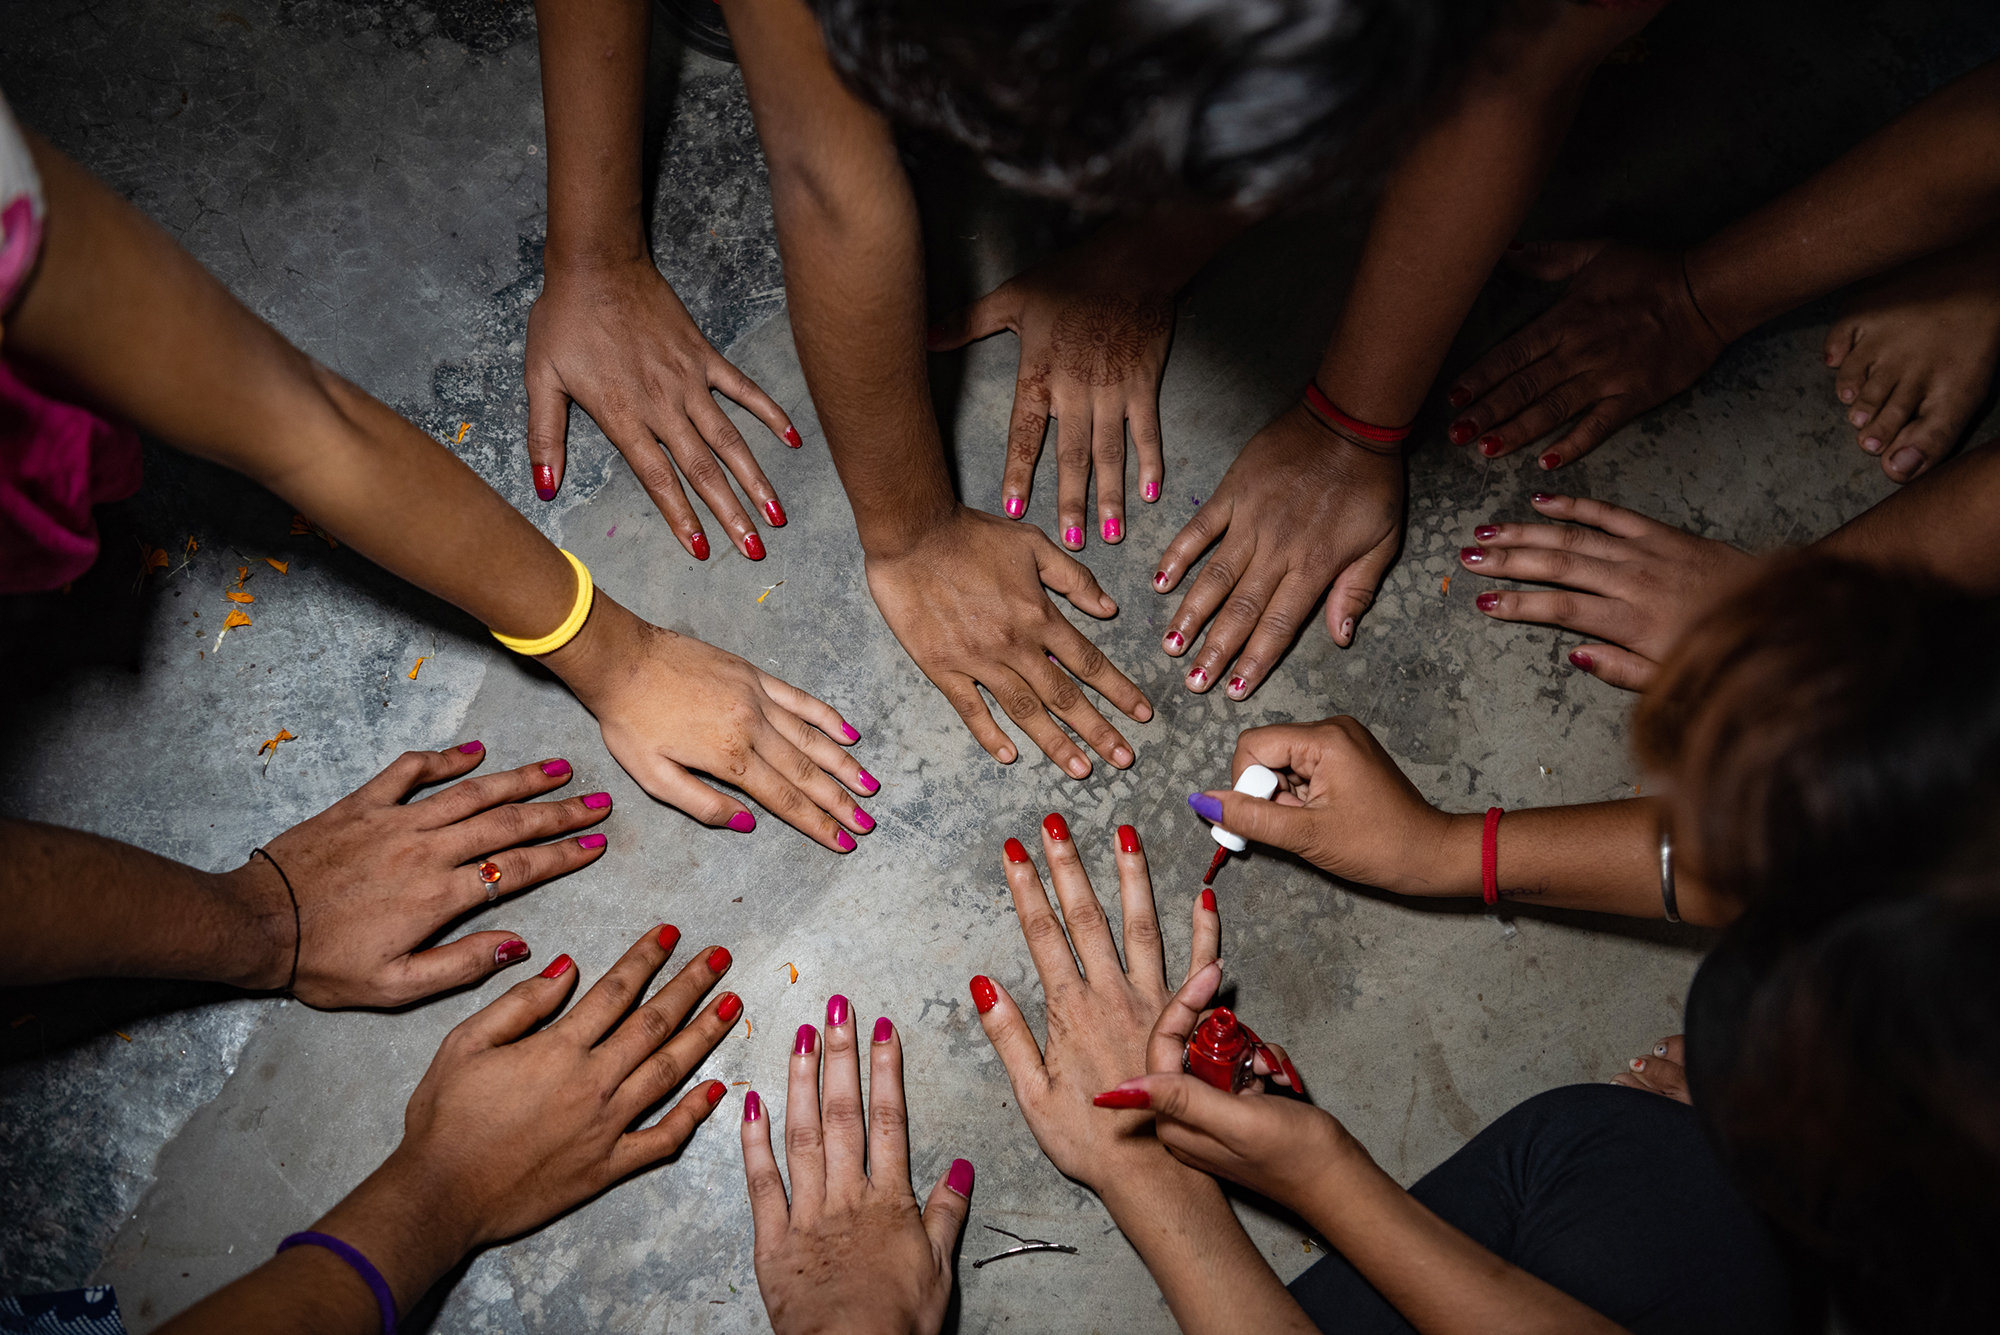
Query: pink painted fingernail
x,y
836,1011
807,1040
1151,491
472,748
545,482
591,841
1015,507
1486,602
864,820
847,731
775,513
1485,533
753,1107
699,542
843,841
509,951
1197,679
959,1179
753,547
873,783
1174,642
1073,536
884,1031
1472,556
1580,659
1542,497
792,437
597,801
1237,686
1113,530
743,822
555,769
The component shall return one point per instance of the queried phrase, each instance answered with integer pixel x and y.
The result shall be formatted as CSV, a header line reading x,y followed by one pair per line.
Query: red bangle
x,y
1382,435
1489,856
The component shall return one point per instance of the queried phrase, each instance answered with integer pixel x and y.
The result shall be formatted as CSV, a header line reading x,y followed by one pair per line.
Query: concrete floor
x,y
368,177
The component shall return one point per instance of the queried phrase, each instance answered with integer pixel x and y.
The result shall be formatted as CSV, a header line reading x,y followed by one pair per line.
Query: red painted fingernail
x,y
1073,536
1472,556
1151,491
807,1040
1580,659
716,1089
1208,899
884,1031
1197,678
727,1009
959,1179
472,748
591,841
669,937
1292,1075
1490,445
1174,642
792,437
1461,431
1486,533
1124,1098
1128,839
1160,580
843,841
1458,398
1237,687
753,547
775,513
864,820
1113,530
753,1107
718,959
847,731
557,967
836,1011
1542,497
872,783
984,995
509,951
1015,507
555,769
1016,851
699,542
743,822
1486,602
545,482
597,801
1549,460
1056,827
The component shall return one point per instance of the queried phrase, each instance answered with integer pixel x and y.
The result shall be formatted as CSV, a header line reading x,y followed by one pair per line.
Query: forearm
x,y
1929,180
1943,525
74,905
593,55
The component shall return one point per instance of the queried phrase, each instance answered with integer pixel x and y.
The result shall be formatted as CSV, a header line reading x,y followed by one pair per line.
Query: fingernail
x,y
1151,491
843,841
1580,659
959,1179
1292,1075
1206,807
836,1011
718,959
753,547
1472,556
1016,850
1461,431
555,769
1113,530
774,512
557,967
1458,398
1542,497
792,437
1347,630
699,542
716,1089
873,784
545,482
1660,1050
1174,642
807,1040
847,731
1121,756
1486,602
727,1009
1207,900
1237,688
1128,839
1015,507
669,937
1490,445
984,995
472,748
597,801
1073,536
864,820
1124,1098
1906,460
1056,827
1638,1063
753,1107
1549,460
1486,533
884,1031
743,822
1160,580
591,842
1197,679
509,951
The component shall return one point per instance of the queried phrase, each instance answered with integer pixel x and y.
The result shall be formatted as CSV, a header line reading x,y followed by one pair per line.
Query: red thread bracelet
x,y
1381,435
1489,856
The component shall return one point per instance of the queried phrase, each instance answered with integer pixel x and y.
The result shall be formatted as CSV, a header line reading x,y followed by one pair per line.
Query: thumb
x,y
1554,261
949,1203
1268,823
982,319
1354,590
1177,1097
456,964
548,428
1072,579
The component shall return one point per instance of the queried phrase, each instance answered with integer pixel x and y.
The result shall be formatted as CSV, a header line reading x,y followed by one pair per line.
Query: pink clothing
x,y
56,462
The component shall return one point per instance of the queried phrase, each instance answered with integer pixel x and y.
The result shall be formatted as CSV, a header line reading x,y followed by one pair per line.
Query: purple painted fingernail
x,y
884,1031
597,801
1542,497
591,841
843,841
836,1011
959,1179
1073,536
847,731
869,779
1151,491
1113,530
1015,507
864,820
555,769
472,748
509,951
1206,807
1486,602
743,822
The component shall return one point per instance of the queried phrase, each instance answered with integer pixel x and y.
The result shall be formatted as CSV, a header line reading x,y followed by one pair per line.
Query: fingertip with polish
x,y
597,801
507,952
719,960
555,769
806,1041
844,841
753,547
590,843
1014,506
985,996
884,1030
472,748
1207,807
1123,1098
743,822
959,1178
792,437
558,967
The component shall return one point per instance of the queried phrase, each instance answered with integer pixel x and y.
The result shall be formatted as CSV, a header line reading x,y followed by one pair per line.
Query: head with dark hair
x,y
1130,102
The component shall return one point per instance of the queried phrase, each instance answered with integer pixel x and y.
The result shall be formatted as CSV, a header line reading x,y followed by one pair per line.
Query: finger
x,y
1270,823
1288,611
1178,1018
1215,588
460,801
813,710
1022,701
648,1145
1588,432
418,769
1144,416
984,318
1027,425
1007,1030
1615,520
1585,613
1048,944
805,1144
1207,944
516,823
963,692
1060,692
728,445
888,1118
1615,666
1274,1063
1538,564
705,473
519,1008
949,1203
727,378
654,469
1084,918
1066,575
795,749
1145,947
1354,588
459,963
613,994
1660,1076
1073,428
769,1213
548,427
842,1124
1210,523
643,1034
667,781
1501,418
1108,461
512,870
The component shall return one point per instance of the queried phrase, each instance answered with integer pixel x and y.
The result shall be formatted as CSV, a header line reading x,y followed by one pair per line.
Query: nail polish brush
x,y
1255,781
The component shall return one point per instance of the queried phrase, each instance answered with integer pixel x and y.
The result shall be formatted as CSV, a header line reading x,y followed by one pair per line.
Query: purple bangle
x,y
362,1267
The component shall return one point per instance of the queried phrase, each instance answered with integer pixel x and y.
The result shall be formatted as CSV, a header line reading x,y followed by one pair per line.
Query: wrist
x,y
1339,1174
914,528
1717,306
585,255
255,932
610,636
410,1220
1449,864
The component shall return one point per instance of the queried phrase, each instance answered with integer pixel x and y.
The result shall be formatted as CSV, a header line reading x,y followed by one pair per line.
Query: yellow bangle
x,y
572,623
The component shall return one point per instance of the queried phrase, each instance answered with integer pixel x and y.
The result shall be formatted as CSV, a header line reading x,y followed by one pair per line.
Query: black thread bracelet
x,y
298,932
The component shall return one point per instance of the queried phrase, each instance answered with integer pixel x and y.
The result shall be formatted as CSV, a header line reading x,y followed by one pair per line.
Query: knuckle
x,y
1040,928
1020,703
805,1139
1143,933
1090,660
886,1119
703,471
841,1113
1062,693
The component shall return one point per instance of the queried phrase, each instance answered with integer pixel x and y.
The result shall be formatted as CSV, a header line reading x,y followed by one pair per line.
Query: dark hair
x,y
1128,102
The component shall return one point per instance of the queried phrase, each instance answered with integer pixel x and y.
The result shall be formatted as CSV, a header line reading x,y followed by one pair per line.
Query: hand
x,y
1637,584
616,339
966,603
1625,337
1300,509
1099,1016
1094,341
1661,1071
668,703
1344,806
850,1252
376,875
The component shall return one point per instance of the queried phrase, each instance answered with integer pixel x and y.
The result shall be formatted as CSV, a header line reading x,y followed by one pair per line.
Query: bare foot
x,y
1662,1071
1915,350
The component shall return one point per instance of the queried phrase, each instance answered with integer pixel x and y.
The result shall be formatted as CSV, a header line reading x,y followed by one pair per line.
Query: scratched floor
x,y
368,177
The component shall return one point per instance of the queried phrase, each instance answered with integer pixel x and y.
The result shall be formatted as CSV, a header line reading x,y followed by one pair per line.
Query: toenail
x,y
1872,445
1847,396
1905,461
1638,1063
1859,417
1660,1051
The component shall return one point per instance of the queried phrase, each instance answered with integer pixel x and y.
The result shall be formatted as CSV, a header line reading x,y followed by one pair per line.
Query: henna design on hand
x,y
1100,338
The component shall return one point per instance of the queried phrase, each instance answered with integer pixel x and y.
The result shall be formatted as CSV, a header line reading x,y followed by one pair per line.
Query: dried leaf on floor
x,y
420,663
303,527
794,968
282,567
271,744
234,619
239,596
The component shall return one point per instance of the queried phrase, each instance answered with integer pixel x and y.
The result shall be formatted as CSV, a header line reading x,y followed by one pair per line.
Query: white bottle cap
x,y
1256,782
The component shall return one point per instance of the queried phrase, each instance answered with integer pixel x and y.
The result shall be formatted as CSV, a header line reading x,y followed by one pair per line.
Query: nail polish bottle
x,y
1221,1052
1257,782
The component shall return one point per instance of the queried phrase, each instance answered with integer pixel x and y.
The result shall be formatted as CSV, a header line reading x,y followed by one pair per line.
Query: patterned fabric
x,y
71,1312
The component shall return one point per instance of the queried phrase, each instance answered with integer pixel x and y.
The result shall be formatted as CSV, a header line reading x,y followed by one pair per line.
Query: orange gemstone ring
x,y
489,872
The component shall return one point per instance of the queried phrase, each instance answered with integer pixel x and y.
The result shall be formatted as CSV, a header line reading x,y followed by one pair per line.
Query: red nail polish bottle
x,y
1221,1052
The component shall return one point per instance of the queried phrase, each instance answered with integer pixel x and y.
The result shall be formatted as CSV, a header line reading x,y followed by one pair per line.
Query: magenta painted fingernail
x,y
591,841
1580,659
1485,533
843,841
472,748
959,1179
1197,678
792,437
1472,556
509,951
1015,507
1174,642
884,1031
807,1040
864,820
753,1107
847,731
1151,491
1486,602
836,1011
1113,530
597,801
869,779
1073,536
743,822
555,769
1237,686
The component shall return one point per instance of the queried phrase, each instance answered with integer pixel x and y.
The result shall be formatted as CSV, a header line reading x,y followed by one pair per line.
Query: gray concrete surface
x,y
368,177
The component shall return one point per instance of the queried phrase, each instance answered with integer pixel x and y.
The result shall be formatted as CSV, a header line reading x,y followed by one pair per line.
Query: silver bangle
x,y
1667,875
